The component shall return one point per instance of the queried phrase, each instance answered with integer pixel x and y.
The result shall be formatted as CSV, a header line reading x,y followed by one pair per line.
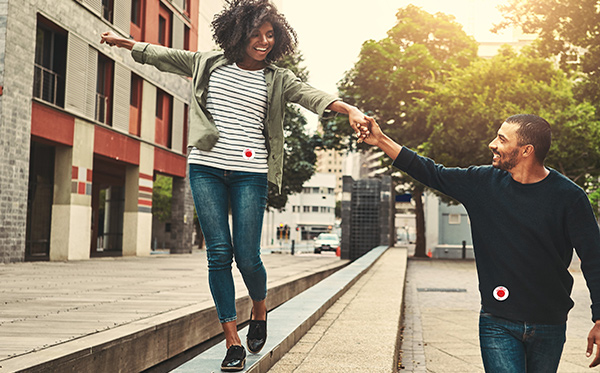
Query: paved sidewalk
x,y
442,312
359,333
49,309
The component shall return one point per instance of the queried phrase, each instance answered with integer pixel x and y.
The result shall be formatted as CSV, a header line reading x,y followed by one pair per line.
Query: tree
x,y
394,73
162,191
299,148
464,113
569,29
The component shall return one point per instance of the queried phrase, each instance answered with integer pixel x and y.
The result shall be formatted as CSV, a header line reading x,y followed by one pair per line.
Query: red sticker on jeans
x,y
500,293
248,154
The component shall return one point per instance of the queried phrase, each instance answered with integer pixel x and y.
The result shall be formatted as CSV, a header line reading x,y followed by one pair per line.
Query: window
x,y
136,12
453,219
186,111
186,38
316,190
136,27
164,26
323,209
164,104
306,190
108,7
135,105
315,209
306,208
162,30
50,62
104,85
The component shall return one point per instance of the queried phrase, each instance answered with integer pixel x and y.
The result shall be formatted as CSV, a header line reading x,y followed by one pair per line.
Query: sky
x,y
331,32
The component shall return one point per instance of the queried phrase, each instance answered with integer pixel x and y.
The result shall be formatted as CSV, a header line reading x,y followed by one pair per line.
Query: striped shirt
x,y
237,101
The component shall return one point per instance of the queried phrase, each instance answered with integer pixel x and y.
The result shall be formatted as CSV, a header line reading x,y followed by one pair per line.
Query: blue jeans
x,y
514,347
215,191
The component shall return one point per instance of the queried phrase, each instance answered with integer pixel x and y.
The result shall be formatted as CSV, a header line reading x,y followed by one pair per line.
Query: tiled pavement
x,y
441,312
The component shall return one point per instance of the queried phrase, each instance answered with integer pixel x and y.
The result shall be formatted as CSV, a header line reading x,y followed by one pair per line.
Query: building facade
x,y
84,130
332,162
306,214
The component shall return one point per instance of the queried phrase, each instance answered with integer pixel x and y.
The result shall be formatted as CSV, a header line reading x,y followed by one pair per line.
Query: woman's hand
x,y
112,39
359,123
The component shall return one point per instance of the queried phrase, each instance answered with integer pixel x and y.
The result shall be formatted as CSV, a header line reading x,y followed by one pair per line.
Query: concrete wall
x,y
17,36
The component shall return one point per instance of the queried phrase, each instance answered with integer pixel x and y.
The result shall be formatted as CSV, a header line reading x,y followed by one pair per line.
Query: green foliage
x,y
464,113
567,29
299,148
595,200
162,192
393,74
299,158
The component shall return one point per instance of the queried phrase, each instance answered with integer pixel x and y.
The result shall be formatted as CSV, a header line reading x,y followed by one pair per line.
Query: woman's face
x,y
260,43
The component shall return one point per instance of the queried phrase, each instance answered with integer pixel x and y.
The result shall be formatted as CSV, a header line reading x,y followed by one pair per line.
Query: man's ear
x,y
528,150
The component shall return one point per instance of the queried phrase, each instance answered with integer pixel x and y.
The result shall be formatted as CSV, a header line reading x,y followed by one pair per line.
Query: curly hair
x,y
234,24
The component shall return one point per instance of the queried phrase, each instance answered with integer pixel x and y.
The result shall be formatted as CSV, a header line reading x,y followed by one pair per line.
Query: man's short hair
x,y
533,130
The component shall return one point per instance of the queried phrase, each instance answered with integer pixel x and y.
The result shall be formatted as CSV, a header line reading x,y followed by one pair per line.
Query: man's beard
x,y
508,161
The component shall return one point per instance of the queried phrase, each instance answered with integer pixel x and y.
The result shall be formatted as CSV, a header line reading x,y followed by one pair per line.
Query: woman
x,y
236,139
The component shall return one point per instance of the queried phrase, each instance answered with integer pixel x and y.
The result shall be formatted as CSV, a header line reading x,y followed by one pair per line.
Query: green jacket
x,y
282,87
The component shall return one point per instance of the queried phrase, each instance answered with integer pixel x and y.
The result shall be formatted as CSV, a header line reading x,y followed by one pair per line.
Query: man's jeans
x,y
215,191
514,347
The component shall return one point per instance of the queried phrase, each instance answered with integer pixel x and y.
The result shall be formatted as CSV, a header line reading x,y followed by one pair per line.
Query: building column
x,y
17,50
70,235
137,220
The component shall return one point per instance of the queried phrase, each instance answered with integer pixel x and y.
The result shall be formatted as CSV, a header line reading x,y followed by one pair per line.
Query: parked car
x,y
326,242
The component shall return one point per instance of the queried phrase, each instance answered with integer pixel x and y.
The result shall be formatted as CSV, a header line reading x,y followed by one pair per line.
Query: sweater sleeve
x,y
170,60
585,236
457,183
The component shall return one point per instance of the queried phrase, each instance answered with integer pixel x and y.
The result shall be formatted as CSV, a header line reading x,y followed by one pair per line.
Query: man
x,y
525,221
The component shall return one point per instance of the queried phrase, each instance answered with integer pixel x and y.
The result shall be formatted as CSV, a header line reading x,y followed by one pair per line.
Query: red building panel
x,y
145,202
117,146
169,163
52,124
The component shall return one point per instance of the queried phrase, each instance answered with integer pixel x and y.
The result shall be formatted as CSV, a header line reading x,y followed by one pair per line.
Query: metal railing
x,y
45,84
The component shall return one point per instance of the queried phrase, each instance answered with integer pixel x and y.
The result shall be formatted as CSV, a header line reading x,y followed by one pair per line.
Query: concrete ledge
x,y
142,344
289,322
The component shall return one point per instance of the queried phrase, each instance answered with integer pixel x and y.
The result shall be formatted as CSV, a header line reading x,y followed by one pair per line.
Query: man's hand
x,y
594,339
376,137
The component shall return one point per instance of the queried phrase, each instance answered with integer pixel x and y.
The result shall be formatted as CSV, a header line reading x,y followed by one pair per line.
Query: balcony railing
x,y
45,84
101,114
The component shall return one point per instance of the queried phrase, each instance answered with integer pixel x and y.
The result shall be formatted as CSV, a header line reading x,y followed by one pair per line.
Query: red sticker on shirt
x,y
248,154
500,293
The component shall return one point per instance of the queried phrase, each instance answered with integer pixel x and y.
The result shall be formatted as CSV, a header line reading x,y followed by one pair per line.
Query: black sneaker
x,y
234,360
257,335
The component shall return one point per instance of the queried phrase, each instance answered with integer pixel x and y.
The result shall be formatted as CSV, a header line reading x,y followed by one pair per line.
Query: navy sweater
x,y
523,237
